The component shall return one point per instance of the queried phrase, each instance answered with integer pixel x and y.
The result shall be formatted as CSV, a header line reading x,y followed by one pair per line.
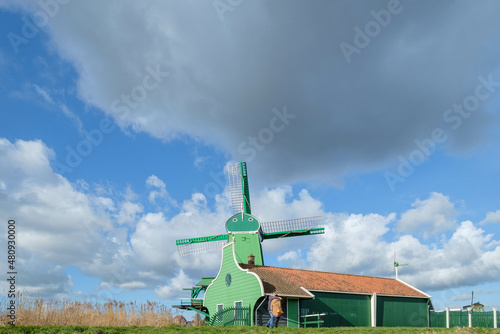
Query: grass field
x,y
206,329
36,315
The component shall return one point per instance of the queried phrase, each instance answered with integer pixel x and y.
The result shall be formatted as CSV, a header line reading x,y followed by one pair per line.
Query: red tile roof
x,y
288,282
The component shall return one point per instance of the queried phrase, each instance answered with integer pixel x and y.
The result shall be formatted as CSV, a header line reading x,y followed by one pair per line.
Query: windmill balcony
x,y
194,302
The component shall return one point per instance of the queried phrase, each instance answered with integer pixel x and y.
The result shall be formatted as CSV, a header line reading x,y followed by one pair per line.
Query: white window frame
x,y
219,317
236,310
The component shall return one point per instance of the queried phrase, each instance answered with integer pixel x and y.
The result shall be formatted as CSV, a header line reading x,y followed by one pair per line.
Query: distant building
x,y
180,320
476,307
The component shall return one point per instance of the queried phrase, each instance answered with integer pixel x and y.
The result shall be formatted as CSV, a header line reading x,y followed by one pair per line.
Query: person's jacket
x,y
276,307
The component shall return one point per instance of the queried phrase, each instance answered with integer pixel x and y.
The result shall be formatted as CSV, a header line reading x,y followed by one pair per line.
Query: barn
x,y
238,296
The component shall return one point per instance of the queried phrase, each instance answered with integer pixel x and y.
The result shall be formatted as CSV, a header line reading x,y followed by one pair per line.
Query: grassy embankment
x,y
207,329
36,315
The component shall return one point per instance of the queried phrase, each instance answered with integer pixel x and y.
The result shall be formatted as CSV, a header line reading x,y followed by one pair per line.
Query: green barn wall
x,y
340,309
401,311
245,286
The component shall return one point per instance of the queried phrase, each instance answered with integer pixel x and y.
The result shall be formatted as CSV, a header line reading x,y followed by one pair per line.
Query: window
x,y
238,310
220,307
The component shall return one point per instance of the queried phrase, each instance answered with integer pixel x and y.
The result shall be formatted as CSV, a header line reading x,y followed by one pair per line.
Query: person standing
x,y
276,310
273,297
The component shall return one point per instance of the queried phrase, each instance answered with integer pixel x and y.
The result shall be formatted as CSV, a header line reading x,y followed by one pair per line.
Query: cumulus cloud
x,y
112,237
491,218
55,220
352,243
161,192
63,224
180,281
129,212
358,244
188,79
433,215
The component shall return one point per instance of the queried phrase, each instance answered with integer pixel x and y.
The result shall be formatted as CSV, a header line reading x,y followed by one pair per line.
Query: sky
x,y
118,119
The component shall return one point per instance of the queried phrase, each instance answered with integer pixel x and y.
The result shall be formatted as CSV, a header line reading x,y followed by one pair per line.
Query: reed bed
x,y
41,312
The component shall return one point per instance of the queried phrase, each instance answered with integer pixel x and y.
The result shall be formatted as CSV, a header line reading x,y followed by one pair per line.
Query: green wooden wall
x,y
293,312
247,244
243,286
401,311
340,309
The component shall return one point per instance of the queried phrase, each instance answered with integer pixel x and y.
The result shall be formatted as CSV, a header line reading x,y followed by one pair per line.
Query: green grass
x,y
206,329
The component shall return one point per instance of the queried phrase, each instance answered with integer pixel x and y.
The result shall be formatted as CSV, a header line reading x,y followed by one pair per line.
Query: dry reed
x,y
38,311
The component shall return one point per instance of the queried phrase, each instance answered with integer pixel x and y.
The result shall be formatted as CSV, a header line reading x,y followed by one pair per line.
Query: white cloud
x,y
357,244
492,217
289,256
56,221
162,192
154,238
433,215
462,297
130,248
133,285
292,259
352,243
174,288
43,93
71,224
59,225
129,212
154,181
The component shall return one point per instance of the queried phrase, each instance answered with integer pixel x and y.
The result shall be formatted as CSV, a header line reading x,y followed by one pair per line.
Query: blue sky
x,y
119,118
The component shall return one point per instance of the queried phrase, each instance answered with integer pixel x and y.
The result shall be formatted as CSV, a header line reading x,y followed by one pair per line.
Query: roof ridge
x,y
247,266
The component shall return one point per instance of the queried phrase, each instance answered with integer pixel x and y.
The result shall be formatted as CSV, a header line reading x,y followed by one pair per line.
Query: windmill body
x,y
245,230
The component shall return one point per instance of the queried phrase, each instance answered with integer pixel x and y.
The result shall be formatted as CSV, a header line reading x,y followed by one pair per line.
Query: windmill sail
x,y
201,245
292,227
244,228
238,186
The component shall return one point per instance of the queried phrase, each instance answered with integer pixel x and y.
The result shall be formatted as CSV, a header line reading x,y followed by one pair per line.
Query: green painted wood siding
x,y
247,244
401,311
244,286
340,309
293,313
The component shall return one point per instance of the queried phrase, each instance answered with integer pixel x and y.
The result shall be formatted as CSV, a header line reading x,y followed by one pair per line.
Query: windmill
x,y
396,265
244,228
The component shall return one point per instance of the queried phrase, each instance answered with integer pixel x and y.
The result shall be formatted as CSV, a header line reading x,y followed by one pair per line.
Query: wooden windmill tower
x,y
244,228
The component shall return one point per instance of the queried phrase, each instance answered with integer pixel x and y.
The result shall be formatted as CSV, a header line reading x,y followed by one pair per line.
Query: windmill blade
x,y
292,224
238,186
201,245
292,227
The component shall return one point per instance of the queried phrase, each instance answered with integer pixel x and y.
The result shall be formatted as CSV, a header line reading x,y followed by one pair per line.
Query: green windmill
x,y
244,228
